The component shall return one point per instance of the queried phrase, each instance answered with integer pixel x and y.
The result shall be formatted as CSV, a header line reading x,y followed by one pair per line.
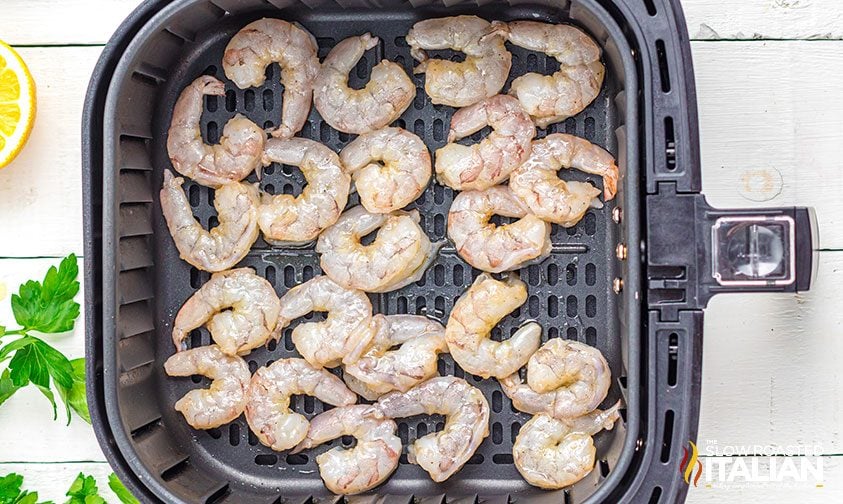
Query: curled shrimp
x,y
496,248
363,467
381,370
237,154
223,246
565,379
536,182
326,343
553,454
268,400
224,400
239,308
386,96
488,163
267,41
474,315
391,167
399,255
443,453
295,220
460,84
553,98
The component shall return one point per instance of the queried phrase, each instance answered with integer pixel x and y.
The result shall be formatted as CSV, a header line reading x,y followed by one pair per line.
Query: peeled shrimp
x,y
224,400
367,465
474,315
223,246
399,255
391,168
324,344
460,84
553,454
536,182
496,248
553,98
237,154
294,220
386,96
565,379
267,41
268,400
383,370
239,308
488,163
443,453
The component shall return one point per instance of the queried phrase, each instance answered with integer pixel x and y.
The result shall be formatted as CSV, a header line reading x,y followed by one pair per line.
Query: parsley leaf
x,y
48,306
11,493
74,397
7,388
35,363
121,491
84,491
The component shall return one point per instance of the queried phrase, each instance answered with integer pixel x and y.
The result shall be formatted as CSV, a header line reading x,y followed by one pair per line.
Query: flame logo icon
x,y
689,462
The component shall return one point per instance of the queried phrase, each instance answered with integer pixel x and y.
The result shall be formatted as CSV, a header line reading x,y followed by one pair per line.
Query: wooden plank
x,y
47,22
41,190
52,481
27,430
770,125
764,19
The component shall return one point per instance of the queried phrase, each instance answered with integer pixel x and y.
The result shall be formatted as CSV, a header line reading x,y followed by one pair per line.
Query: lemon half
x,y
17,104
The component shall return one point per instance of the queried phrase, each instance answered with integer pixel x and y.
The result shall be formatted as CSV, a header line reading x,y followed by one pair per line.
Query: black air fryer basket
x,y
631,278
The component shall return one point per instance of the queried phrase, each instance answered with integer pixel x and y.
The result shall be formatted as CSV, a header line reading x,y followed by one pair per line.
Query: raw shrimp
x,y
295,220
324,344
399,255
386,96
381,370
536,182
391,168
460,84
488,163
553,454
223,246
237,154
553,98
496,248
268,400
565,379
474,315
443,453
239,308
224,400
367,465
267,41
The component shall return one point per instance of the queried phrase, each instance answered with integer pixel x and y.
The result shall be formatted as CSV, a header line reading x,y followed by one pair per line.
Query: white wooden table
x,y
771,114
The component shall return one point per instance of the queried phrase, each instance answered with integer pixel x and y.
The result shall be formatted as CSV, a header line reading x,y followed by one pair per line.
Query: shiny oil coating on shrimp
x,y
391,167
224,400
238,152
460,84
565,379
239,308
295,220
496,248
326,343
267,41
489,162
537,184
268,400
553,454
223,246
381,369
553,98
474,315
367,465
443,453
399,255
384,98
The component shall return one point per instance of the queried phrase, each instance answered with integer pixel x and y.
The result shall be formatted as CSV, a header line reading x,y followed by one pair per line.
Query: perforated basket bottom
x,y
569,293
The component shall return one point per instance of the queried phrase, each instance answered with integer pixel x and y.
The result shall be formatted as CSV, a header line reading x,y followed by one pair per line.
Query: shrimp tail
x,y
610,184
497,29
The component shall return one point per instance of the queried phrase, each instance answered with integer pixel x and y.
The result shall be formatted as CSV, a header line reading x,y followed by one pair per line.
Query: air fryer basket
x,y
137,282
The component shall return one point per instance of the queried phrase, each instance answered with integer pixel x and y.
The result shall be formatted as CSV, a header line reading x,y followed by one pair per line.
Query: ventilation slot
x,y
667,439
266,459
661,53
656,496
172,472
218,496
672,358
651,7
604,468
669,143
